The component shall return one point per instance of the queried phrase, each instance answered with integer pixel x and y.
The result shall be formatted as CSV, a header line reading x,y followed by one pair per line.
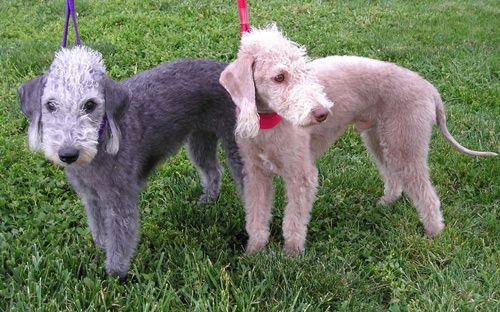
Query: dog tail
x,y
441,121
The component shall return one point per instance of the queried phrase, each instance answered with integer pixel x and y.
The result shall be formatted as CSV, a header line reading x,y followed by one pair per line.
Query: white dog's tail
x,y
441,121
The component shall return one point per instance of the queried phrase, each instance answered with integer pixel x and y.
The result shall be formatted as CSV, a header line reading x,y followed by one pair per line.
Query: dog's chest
x,y
272,150
277,157
279,149
268,161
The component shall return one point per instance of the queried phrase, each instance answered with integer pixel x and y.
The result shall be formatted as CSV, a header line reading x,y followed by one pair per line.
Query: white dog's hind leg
x,y
392,183
410,163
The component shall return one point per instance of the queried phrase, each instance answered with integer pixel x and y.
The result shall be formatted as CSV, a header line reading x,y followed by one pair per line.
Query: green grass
x,y
359,256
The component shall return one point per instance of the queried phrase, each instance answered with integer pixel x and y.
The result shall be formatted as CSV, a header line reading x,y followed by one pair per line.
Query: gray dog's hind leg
x,y
202,150
235,162
122,233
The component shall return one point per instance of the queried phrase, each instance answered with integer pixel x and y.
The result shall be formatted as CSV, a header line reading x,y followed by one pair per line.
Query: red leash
x,y
266,121
242,9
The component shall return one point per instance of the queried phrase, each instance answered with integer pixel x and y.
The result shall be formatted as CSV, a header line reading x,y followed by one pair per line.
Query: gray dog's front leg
x,y
95,218
122,232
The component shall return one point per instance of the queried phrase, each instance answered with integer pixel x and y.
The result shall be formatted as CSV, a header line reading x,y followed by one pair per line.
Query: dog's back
x,y
183,94
171,101
363,82
367,91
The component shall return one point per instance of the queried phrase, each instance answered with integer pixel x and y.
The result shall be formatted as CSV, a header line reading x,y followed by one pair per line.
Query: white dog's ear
x,y
237,79
30,95
117,99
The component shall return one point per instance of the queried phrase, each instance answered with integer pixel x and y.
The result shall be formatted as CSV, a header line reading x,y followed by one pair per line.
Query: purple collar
x,y
103,126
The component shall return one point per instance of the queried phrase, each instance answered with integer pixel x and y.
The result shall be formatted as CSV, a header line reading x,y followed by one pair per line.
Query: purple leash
x,y
70,10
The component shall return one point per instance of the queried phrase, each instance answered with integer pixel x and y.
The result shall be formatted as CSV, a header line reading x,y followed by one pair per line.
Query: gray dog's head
x,y
70,104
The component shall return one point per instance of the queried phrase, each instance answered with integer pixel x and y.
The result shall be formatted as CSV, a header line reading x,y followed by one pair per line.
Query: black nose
x,y
68,154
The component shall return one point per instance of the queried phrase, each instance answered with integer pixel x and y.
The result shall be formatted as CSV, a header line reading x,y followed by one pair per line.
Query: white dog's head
x,y
271,75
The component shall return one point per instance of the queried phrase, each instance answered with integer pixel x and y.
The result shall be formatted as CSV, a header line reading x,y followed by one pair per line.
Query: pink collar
x,y
269,120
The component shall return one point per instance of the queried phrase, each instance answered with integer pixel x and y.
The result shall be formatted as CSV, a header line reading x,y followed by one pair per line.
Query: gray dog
x,y
109,136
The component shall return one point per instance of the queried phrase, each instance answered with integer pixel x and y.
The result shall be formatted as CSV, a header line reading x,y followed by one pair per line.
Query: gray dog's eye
x,y
89,106
279,78
51,106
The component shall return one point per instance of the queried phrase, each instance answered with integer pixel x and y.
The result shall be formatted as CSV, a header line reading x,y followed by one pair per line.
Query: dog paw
x,y
207,198
117,270
386,200
254,247
434,229
120,275
294,245
293,248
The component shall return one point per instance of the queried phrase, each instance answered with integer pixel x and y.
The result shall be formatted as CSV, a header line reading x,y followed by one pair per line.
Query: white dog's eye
x,y
89,106
51,106
279,78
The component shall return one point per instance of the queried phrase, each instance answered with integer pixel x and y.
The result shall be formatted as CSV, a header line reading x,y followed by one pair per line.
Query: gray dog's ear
x,y
238,80
30,94
117,99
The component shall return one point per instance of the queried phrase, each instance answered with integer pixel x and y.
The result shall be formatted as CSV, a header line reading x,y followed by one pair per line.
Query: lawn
x,y
359,256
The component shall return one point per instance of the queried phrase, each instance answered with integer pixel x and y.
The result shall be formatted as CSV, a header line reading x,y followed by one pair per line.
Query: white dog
x,y
393,108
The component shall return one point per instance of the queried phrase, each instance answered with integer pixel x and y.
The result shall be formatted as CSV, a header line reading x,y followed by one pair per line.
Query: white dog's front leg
x,y
301,187
258,195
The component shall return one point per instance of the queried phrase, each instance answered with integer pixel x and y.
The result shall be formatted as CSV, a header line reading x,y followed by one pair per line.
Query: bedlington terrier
x,y
392,107
109,136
